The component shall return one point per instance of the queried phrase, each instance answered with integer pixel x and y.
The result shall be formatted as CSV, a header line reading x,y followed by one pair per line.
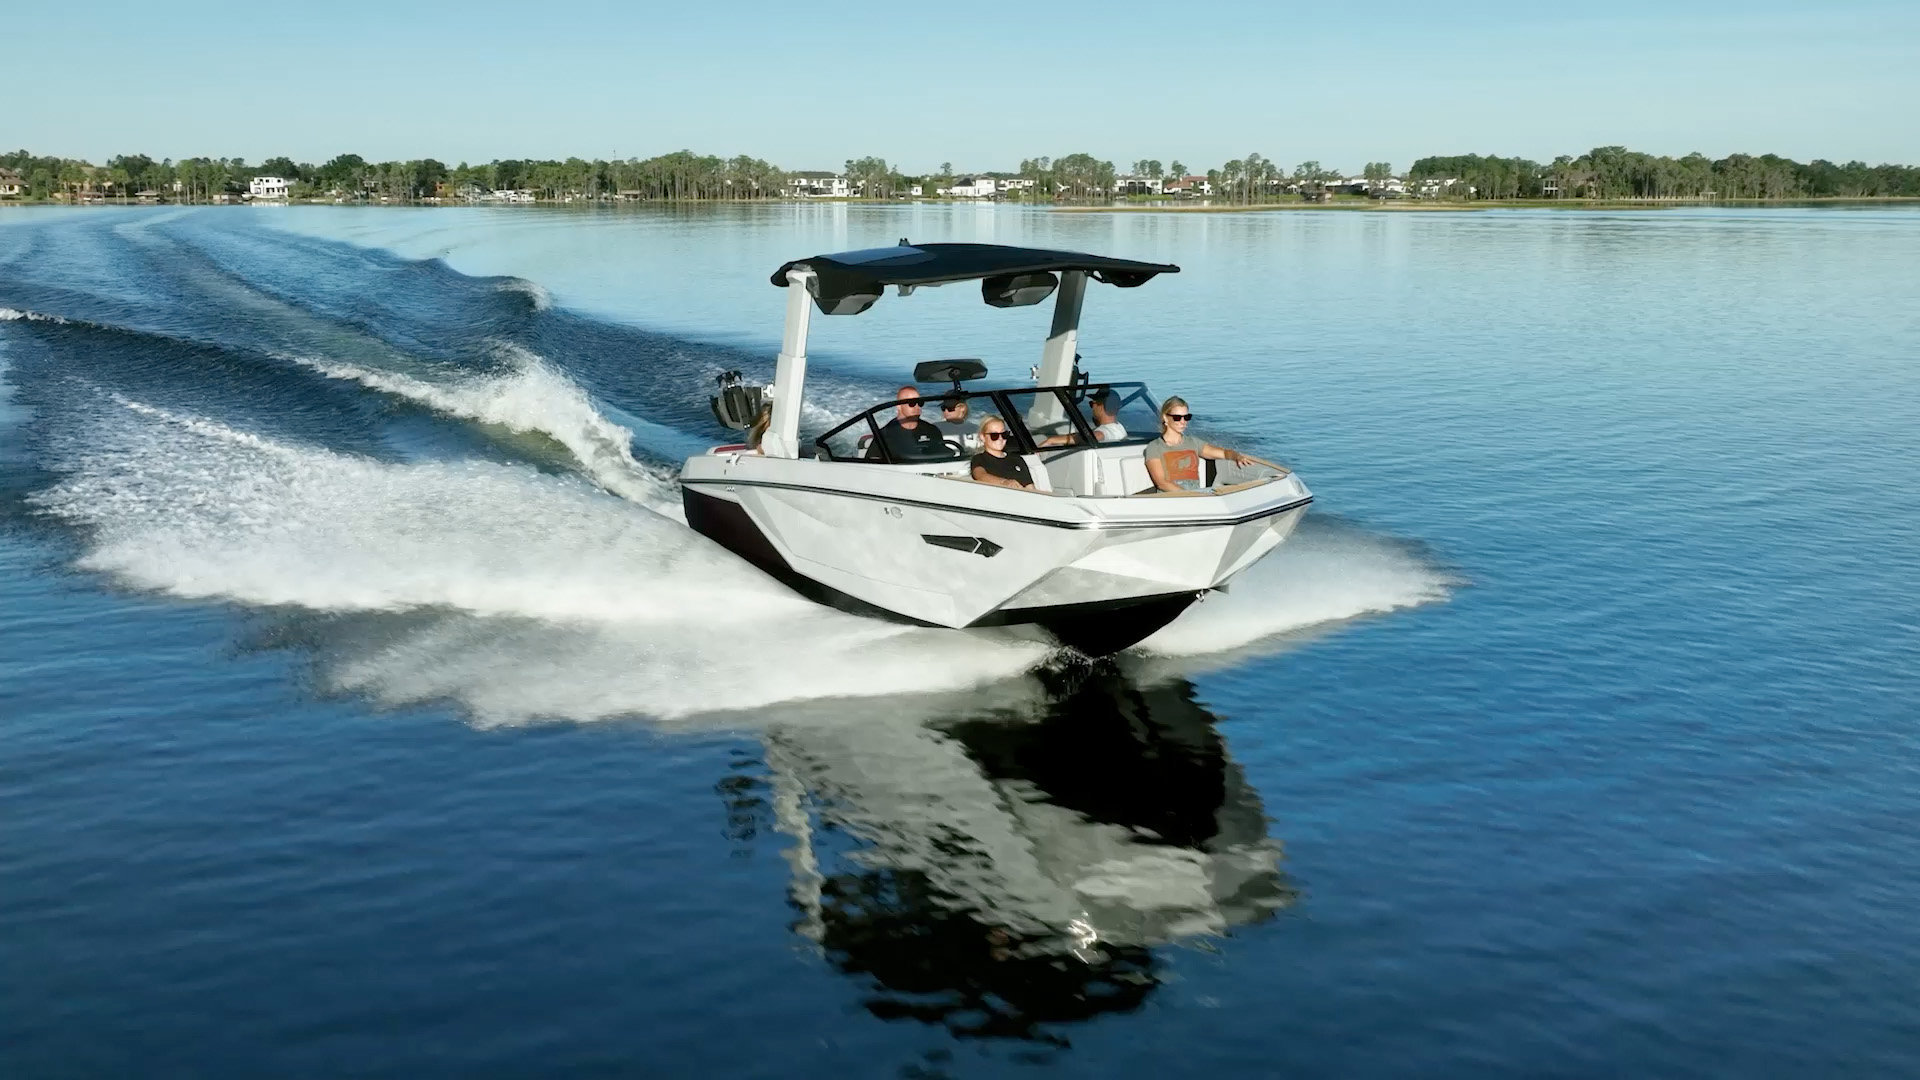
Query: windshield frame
x,y
1071,399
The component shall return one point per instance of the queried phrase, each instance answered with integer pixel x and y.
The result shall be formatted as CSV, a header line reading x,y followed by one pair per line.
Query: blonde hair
x,y
760,425
1167,407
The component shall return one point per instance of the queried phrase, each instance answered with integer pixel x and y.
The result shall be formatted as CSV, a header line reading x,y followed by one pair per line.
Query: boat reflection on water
x,y
1011,864
1001,862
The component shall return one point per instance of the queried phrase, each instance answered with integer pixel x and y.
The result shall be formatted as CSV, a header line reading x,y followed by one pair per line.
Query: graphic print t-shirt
x,y
919,443
1182,462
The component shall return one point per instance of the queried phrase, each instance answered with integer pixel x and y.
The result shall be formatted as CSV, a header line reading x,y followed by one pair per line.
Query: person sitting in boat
x,y
953,417
993,465
1107,425
1173,459
758,432
907,437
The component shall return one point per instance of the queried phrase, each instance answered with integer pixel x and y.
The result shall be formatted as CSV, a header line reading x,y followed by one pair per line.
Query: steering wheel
x,y
954,448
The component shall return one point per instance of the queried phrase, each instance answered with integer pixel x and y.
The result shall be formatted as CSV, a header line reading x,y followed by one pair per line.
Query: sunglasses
x,y
995,435
1179,417
911,405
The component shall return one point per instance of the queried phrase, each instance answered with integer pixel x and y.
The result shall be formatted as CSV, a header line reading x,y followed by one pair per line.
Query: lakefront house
x,y
1188,186
11,185
818,185
267,187
972,187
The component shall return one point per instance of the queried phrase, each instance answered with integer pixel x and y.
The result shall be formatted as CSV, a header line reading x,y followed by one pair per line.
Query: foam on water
x,y
9,412
505,672
530,397
542,597
8,314
1324,573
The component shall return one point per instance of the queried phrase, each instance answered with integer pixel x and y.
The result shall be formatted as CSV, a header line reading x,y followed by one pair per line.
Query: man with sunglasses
x,y
1173,459
909,438
993,464
1106,423
953,421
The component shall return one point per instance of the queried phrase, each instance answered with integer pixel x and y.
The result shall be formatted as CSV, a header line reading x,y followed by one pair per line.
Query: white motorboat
x,y
1094,555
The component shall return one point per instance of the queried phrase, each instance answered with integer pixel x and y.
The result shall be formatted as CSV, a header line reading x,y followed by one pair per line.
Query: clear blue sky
x,y
810,83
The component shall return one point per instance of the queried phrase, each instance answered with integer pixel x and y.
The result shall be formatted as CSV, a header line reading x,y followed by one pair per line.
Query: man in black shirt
x,y
909,438
993,465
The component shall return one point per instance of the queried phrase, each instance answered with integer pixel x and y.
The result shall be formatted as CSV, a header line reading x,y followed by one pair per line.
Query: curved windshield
x,y
946,427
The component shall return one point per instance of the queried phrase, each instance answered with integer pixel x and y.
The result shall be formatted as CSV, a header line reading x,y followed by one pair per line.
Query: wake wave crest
x,y
8,314
535,398
535,293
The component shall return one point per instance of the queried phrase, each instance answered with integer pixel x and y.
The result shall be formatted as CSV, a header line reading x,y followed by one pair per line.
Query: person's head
x,y
954,410
909,410
993,435
1174,415
1102,402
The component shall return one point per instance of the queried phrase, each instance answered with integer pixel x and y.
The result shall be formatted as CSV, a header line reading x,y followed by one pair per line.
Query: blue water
x,y
366,710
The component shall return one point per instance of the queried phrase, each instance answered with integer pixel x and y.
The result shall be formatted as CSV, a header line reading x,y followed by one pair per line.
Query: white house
x,y
973,187
11,186
1188,185
818,185
1131,184
267,187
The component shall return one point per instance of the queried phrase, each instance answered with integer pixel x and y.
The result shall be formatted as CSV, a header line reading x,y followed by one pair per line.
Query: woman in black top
x,y
993,465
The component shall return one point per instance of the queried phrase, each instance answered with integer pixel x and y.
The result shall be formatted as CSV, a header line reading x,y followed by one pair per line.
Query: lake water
x,y
367,710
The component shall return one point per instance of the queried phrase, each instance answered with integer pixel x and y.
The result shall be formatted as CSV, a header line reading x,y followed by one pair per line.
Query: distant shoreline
x,y
1459,206
1161,206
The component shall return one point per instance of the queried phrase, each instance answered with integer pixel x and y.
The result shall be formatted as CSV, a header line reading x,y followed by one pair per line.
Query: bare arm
x,y
1221,453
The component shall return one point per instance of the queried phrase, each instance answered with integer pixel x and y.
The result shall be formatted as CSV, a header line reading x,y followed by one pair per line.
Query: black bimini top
x,y
849,282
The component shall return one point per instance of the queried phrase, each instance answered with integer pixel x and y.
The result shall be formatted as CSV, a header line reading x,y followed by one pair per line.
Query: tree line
x,y
1608,172
679,175
1614,172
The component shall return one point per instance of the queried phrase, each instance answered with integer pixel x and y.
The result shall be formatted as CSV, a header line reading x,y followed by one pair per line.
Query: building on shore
x,y
267,188
972,187
11,185
1132,184
1187,186
818,185
1434,187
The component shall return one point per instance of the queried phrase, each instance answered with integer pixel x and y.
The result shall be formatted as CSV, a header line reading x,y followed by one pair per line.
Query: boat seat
x,y
1041,481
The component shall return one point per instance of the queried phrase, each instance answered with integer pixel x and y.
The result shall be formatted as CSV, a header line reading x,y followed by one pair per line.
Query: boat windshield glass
x,y
1038,418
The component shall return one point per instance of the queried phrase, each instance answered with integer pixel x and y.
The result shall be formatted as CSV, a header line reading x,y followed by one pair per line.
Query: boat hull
x,y
1097,574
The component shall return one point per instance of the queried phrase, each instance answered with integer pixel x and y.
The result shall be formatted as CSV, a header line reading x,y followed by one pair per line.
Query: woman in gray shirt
x,y
1173,459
